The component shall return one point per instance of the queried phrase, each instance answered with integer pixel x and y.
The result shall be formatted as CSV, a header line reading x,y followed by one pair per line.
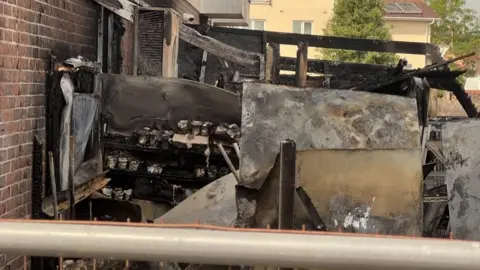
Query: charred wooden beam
x,y
270,64
442,74
312,81
415,73
81,193
355,44
286,188
123,8
312,212
301,65
38,174
276,62
318,66
71,179
218,48
136,20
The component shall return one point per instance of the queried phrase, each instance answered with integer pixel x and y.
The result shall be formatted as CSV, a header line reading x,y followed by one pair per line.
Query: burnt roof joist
x,y
344,43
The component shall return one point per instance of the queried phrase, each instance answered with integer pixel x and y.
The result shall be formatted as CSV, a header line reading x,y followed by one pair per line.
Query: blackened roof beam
x,y
355,44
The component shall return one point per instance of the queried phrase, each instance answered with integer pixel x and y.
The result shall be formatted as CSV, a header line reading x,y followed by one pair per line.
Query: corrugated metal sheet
x,y
150,42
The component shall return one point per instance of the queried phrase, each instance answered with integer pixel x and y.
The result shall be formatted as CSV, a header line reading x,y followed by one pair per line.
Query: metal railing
x,y
207,245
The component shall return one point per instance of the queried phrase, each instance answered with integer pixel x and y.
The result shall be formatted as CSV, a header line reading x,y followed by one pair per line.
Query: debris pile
x,y
210,152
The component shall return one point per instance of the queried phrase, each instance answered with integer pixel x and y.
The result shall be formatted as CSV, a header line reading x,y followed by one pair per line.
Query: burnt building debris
x,y
195,133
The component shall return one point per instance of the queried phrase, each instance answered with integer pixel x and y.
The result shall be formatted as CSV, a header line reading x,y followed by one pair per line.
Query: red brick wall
x,y
29,30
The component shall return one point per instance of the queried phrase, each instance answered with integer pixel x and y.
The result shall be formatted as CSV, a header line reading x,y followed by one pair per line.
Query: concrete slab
x,y
461,144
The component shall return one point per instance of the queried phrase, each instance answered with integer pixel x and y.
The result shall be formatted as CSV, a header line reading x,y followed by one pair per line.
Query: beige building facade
x,y
409,20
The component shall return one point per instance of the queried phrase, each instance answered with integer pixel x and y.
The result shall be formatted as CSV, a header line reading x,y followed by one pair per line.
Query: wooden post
x,y
269,63
94,260
286,187
170,45
433,103
127,262
204,67
100,37
326,71
136,19
71,178
44,175
110,44
53,184
60,259
302,65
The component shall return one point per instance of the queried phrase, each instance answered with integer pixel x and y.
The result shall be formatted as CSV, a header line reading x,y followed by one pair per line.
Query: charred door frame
x,y
110,32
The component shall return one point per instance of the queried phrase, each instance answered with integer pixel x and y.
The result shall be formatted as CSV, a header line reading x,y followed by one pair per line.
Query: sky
x,y
475,4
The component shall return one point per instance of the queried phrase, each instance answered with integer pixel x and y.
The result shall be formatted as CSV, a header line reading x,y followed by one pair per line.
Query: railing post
x,y
302,65
286,187
287,184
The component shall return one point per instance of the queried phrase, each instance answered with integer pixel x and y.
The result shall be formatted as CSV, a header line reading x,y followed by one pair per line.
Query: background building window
x,y
257,24
302,27
261,1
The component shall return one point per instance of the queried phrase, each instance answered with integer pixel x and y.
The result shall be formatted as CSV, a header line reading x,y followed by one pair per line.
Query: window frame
x,y
262,2
258,20
302,27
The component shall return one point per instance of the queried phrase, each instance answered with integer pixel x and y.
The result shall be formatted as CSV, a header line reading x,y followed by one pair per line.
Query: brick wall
x,y
29,31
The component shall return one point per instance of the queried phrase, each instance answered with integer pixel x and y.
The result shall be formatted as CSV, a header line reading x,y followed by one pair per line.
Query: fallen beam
x,y
311,251
218,48
81,193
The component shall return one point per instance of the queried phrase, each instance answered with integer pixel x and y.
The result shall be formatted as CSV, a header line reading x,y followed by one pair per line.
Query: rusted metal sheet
x,y
460,147
133,102
358,158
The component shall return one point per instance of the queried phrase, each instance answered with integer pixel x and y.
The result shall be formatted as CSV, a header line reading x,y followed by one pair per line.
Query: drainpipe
x,y
428,32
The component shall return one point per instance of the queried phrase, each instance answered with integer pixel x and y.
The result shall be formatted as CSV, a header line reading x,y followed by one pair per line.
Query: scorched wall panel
x,y
29,31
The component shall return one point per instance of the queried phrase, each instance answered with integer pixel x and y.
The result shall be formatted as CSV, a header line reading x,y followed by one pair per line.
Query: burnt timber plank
x,y
318,66
81,193
220,49
355,44
301,65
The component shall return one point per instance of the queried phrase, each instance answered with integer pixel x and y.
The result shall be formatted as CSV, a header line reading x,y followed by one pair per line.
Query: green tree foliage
x,y
358,19
458,28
